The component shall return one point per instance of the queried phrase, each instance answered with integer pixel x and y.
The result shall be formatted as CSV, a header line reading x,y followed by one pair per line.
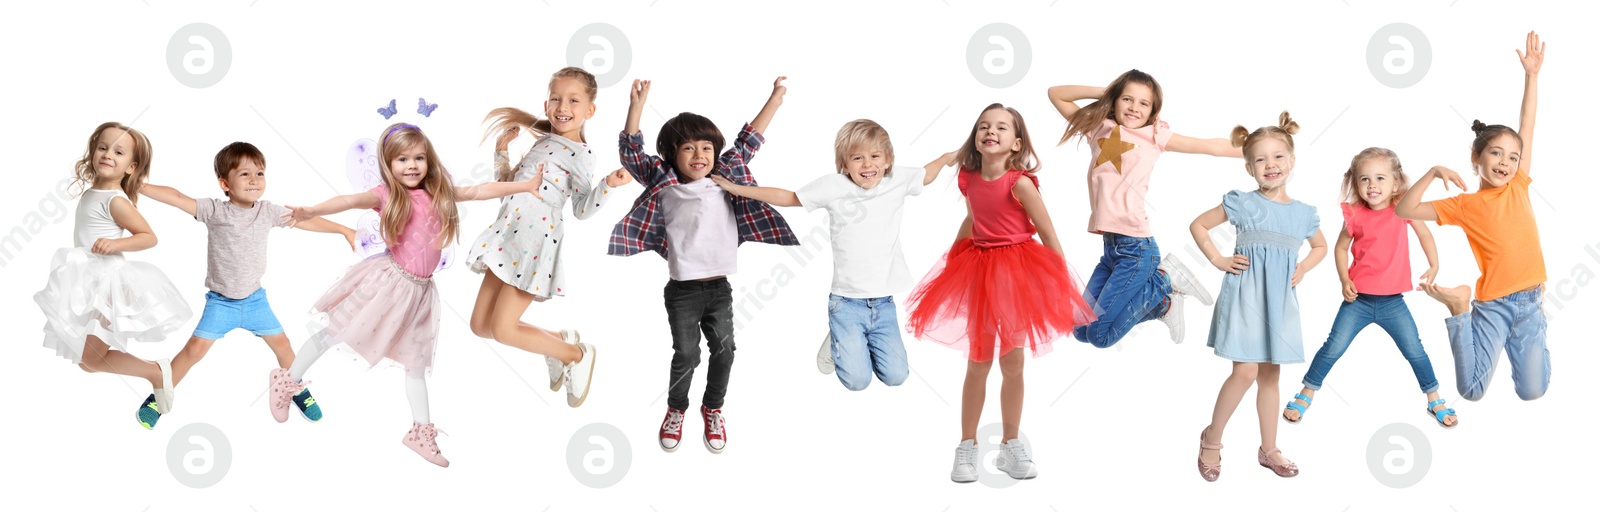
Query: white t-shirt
x,y
864,225
702,239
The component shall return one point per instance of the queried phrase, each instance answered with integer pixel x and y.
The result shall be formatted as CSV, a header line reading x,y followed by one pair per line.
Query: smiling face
x,y
1134,107
866,165
113,156
1499,160
996,134
1375,183
569,106
410,165
245,183
1269,162
695,159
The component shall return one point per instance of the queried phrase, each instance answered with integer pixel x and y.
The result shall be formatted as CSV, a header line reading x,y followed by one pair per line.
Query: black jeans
x,y
695,307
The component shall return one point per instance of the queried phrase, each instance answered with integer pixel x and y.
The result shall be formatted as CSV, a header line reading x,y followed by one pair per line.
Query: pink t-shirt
x,y
1380,253
417,251
1117,187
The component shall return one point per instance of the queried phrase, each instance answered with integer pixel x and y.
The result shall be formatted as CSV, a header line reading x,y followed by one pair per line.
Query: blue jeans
x,y
1390,313
866,340
1515,322
251,313
1125,290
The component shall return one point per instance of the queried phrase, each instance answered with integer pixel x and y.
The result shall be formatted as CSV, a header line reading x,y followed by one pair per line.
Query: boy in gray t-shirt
x,y
236,258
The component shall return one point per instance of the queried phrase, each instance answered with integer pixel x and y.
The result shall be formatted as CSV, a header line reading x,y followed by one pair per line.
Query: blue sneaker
x,y
148,413
308,406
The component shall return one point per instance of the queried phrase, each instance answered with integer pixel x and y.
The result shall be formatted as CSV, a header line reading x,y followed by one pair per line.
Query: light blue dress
x,y
1257,319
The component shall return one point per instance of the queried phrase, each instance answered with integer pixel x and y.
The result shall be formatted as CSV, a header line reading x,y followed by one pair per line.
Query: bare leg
x,y
972,395
98,357
191,354
1267,408
483,309
510,330
1233,390
1011,393
279,343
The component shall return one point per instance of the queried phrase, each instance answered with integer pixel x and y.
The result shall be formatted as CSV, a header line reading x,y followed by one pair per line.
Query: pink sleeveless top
x,y
417,251
998,219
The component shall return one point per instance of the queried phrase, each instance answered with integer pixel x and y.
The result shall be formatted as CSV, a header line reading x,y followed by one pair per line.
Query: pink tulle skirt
x,y
988,301
381,312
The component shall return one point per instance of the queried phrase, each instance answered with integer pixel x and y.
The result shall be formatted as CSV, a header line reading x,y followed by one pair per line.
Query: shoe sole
x,y
672,449
825,364
963,480
713,450
999,464
594,354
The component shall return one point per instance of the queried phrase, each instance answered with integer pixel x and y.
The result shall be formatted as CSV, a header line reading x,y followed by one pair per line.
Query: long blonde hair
x,y
502,119
83,171
1349,191
396,138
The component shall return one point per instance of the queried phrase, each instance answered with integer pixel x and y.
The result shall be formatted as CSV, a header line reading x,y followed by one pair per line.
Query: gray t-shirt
x,y
236,249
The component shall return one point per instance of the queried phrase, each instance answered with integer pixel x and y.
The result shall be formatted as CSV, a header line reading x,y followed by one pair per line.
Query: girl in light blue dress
x,y
1257,321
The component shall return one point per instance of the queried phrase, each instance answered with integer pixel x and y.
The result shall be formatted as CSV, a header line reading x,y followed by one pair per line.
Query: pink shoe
x,y
1210,472
1286,470
281,389
420,439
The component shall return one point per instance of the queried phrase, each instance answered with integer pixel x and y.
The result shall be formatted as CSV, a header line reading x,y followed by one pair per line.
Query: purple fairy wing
x,y
361,165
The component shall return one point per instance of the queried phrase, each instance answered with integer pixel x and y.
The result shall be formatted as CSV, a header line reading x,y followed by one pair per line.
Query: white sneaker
x,y
558,374
1015,461
166,395
578,375
825,355
966,467
1174,318
1183,281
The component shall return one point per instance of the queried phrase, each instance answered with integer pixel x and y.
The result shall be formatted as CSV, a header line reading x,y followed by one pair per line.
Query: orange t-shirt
x,y
1504,238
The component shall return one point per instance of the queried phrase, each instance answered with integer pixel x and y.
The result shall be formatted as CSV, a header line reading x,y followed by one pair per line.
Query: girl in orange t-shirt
x,y
1507,310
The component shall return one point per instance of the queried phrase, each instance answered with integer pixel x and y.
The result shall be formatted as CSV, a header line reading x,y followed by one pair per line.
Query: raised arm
x,y
322,225
1531,62
1425,238
644,167
1033,203
1213,147
771,195
1411,205
1066,97
1319,250
139,238
637,94
357,201
931,171
169,196
1200,229
770,109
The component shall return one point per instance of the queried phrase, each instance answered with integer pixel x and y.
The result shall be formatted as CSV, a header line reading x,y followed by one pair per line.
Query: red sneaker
x,y
671,430
716,429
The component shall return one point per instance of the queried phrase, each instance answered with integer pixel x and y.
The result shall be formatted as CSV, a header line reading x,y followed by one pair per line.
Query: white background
x,y
1109,428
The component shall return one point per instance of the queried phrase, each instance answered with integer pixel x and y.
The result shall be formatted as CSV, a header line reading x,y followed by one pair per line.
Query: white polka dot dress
x,y
523,244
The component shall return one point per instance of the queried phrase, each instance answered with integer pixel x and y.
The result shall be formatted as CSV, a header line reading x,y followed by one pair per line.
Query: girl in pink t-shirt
x,y
386,307
1375,279
1132,283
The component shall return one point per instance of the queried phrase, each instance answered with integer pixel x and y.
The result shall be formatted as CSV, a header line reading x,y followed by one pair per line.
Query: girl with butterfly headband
x,y
386,307
519,254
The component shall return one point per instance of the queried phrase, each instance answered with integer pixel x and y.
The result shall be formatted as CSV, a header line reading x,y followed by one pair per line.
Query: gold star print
x,y
1112,148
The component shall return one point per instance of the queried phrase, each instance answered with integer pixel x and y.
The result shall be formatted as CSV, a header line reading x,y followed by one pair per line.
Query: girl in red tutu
x,y
998,288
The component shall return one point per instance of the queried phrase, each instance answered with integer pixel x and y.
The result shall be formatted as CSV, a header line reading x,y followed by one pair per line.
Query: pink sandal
x,y
1210,472
1286,470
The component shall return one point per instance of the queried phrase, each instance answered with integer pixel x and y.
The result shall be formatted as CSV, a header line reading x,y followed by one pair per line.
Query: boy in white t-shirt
x,y
865,201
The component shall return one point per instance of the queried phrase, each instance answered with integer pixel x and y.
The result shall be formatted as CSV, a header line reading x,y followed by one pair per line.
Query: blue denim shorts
x,y
223,315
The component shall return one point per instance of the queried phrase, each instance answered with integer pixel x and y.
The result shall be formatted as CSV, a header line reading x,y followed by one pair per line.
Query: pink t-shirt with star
x,y
1119,182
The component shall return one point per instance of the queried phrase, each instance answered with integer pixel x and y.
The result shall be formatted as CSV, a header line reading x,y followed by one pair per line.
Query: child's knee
x,y
855,382
1532,392
86,367
1245,372
1472,393
894,376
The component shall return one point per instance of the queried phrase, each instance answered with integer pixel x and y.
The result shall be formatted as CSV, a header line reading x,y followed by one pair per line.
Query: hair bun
x,y
1240,133
1478,126
1287,124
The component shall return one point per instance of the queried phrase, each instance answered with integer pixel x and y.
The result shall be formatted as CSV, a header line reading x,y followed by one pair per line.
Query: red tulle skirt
x,y
988,301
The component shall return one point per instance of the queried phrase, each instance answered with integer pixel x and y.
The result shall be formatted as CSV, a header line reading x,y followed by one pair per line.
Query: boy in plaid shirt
x,y
697,228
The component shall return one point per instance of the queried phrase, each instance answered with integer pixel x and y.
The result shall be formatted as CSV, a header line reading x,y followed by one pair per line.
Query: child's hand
x,y
1427,277
1299,273
505,139
1349,290
1232,265
297,214
724,183
536,181
638,92
106,246
618,178
1534,57
778,89
1449,177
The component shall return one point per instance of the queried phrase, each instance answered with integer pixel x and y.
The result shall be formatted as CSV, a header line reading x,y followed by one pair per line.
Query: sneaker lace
x,y
1019,453
714,422
966,456
283,393
674,423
